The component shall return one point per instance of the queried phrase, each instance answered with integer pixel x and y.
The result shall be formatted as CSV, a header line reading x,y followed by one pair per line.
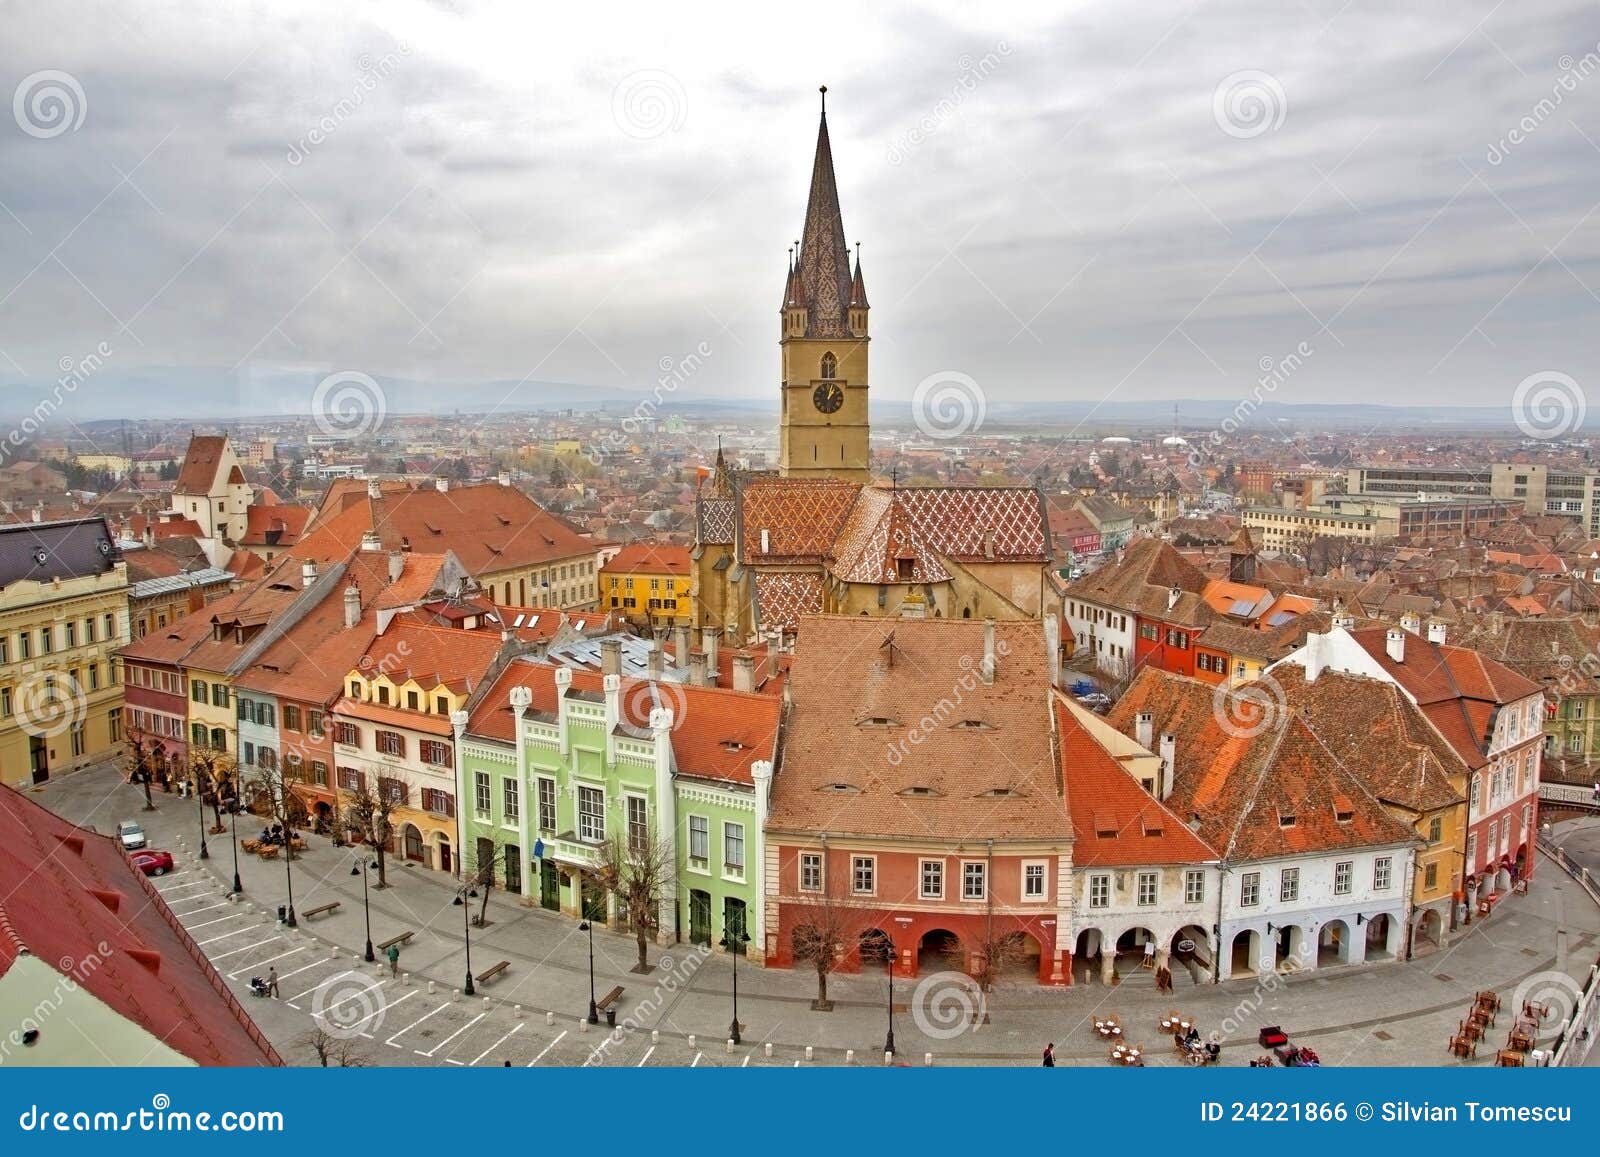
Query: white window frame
x,y
1250,889
1289,886
730,870
1344,873
482,794
1153,879
510,798
1194,886
1382,873
982,875
857,864
811,861
1099,890
922,879
1041,868
546,782
591,835
702,862
627,817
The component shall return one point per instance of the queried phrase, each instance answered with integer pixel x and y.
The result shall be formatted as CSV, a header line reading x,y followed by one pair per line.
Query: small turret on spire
x,y
858,287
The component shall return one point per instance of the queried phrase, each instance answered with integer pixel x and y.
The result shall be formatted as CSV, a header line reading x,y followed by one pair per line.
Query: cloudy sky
x,y
1138,201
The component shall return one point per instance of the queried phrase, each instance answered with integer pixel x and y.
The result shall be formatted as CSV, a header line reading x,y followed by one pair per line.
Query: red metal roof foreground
x,y
71,899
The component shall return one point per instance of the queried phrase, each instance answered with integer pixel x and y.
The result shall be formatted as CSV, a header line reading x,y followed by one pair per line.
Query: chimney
x,y
374,488
149,534
989,658
1436,631
370,541
611,656
1173,596
1052,647
397,565
697,669
1169,753
308,573
1343,620
774,649
744,672
766,539
1143,729
38,515
505,478
710,643
988,545
1410,623
442,485
563,685
613,690
352,606
1395,644
1555,647
1314,659
655,662
680,644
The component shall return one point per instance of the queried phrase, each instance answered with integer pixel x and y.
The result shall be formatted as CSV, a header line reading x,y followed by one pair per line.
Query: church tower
x,y
823,431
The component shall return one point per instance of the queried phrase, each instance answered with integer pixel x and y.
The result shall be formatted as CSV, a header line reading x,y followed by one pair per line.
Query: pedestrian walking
x,y
394,959
1050,1055
1597,791
272,981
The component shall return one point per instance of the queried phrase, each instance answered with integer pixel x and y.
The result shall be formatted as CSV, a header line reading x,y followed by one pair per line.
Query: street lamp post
x,y
463,894
233,829
594,1013
288,875
200,799
888,1043
360,868
734,942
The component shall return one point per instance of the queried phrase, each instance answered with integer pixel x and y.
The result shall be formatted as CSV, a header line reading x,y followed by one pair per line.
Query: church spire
x,y
858,287
824,265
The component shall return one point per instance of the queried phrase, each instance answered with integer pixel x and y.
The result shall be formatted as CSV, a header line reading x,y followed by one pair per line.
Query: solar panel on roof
x,y
1242,607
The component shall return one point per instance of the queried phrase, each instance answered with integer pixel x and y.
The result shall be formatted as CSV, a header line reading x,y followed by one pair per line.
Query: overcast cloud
x,y
1046,202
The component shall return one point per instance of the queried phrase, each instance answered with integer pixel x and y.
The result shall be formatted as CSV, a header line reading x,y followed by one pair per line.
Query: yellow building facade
x,y
650,585
63,614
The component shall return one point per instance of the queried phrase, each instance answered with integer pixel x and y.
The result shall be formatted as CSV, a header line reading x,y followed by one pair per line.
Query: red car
x,y
152,863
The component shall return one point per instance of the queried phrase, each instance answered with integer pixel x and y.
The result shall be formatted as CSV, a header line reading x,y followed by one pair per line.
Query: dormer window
x,y
903,568
917,791
830,366
877,721
1286,819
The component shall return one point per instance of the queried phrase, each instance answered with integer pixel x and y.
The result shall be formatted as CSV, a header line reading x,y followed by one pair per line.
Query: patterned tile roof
x,y
800,518
782,597
877,536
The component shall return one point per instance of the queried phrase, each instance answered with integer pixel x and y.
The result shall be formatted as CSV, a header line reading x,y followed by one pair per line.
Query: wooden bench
x,y
608,999
268,851
330,906
403,938
495,970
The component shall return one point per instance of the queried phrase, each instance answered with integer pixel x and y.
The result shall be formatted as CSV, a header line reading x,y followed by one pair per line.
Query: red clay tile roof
x,y
393,716
1116,822
490,528
906,740
649,558
51,908
784,597
1266,785
200,464
274,525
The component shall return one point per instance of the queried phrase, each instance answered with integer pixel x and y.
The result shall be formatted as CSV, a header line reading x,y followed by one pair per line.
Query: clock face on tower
x,y
828,397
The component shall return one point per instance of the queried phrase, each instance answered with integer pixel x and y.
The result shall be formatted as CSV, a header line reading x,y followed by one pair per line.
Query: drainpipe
x,y
521,699
1216,950
458,728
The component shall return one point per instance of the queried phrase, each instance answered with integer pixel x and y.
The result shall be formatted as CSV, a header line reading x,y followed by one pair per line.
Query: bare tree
x,y
635,867
214,774
276,798
139,761
481,867
366,812
822,936
332,1051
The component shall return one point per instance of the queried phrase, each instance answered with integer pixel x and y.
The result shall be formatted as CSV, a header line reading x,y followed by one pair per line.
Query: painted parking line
x,y
646,1057
547,1048
189,899
303,968
236,951
329,980
207,908
393,1004
209,923
225,935
451,1037
181,887
268,960
745,1064
696,1060
414,1024
496,1044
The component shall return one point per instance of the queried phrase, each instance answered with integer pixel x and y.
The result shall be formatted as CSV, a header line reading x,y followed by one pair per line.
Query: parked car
x,y
131,835
152,863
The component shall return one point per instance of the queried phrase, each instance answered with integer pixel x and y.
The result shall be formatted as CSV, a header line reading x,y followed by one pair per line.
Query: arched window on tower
x,y
830,366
